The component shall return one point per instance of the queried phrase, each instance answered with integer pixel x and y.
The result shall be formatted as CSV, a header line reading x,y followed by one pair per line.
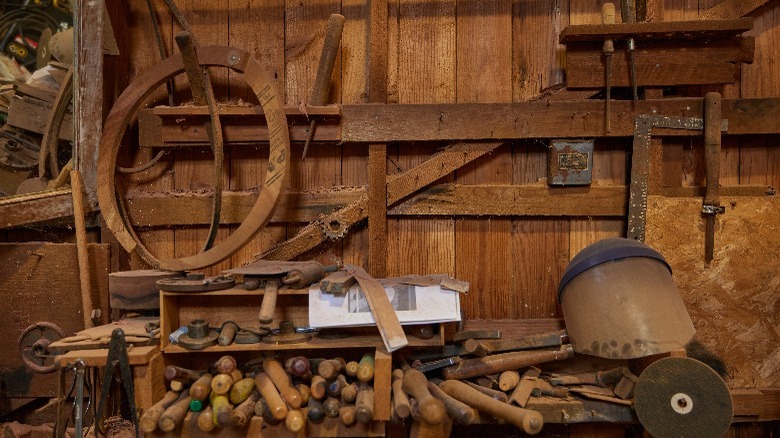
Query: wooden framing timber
x,y
660,63
177,209
165,126
383,123
677,30
580,119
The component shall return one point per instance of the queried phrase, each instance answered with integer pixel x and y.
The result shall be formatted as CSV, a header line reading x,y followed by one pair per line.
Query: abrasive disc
x,y
682,397
43,55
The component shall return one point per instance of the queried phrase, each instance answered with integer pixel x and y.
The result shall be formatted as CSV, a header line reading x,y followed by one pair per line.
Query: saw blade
x,y
682,397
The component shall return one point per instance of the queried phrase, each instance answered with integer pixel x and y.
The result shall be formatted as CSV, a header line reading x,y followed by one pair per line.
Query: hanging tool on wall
x,y
117,356
711,206
203,94
608,17
330,48
628,13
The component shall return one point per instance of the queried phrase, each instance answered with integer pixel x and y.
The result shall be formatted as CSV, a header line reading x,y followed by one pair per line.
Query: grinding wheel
x,y
43,55
682,397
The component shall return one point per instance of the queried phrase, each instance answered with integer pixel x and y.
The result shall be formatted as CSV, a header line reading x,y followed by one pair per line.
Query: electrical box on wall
x,y
569,162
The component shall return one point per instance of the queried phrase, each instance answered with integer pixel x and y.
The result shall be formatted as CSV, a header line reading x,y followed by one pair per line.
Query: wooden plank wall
x,y
437,51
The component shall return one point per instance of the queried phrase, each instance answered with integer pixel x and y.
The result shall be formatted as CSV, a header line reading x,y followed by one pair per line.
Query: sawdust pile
x,y
734,302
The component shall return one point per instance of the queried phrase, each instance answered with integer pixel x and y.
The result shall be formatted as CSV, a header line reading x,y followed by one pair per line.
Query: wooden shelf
x,y
356,342
236,291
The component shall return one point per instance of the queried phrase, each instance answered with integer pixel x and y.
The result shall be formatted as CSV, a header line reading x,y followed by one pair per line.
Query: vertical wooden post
x,y
88,91
383,370
377,153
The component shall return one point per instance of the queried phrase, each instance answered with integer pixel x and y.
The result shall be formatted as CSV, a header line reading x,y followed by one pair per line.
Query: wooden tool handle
x,y
712,146
205,420
281,380
149,419
461,412
351,368
365,370
335,387
432,410
241,390
330,48
503,362
271,396
243,412
227,334
316,412
305,393
364,405
295,421
400,399
298,366
221,383
331,407
183,375
508,380
348,414
492,393
304,275
318,387
329,369
201,388
349,393
223,410
225,364
529,421
174,415
268,306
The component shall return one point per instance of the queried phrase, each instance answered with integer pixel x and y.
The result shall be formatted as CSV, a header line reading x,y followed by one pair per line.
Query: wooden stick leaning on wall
x,y
77,191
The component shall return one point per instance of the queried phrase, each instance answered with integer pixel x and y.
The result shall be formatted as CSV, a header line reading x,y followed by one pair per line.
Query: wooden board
x,y
660,64
709,30
47,275
305,25
530,120
32,115
141,57
330,427
739,287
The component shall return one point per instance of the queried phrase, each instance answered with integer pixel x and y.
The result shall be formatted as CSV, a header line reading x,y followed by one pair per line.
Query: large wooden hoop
x,y
127,106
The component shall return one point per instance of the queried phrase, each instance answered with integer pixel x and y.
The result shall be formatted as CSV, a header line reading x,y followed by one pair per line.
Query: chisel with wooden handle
x,y
432,410
531,422
459,411
268,306
149,419
174,415
504,362
282,382
400,399
271,396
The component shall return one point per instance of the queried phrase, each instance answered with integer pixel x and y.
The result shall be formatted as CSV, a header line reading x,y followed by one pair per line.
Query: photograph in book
x,y
413,305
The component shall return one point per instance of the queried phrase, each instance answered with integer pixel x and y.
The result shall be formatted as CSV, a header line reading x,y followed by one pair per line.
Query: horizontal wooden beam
x,y
161,209
510,200
660,63
677,30
483,121
194,208
384,123
183,126
36,207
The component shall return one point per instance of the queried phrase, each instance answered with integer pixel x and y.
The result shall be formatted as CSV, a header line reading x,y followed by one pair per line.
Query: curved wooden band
x,y
126,107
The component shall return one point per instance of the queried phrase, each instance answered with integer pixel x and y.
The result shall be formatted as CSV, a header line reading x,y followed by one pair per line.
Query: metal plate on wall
x,y
570,162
